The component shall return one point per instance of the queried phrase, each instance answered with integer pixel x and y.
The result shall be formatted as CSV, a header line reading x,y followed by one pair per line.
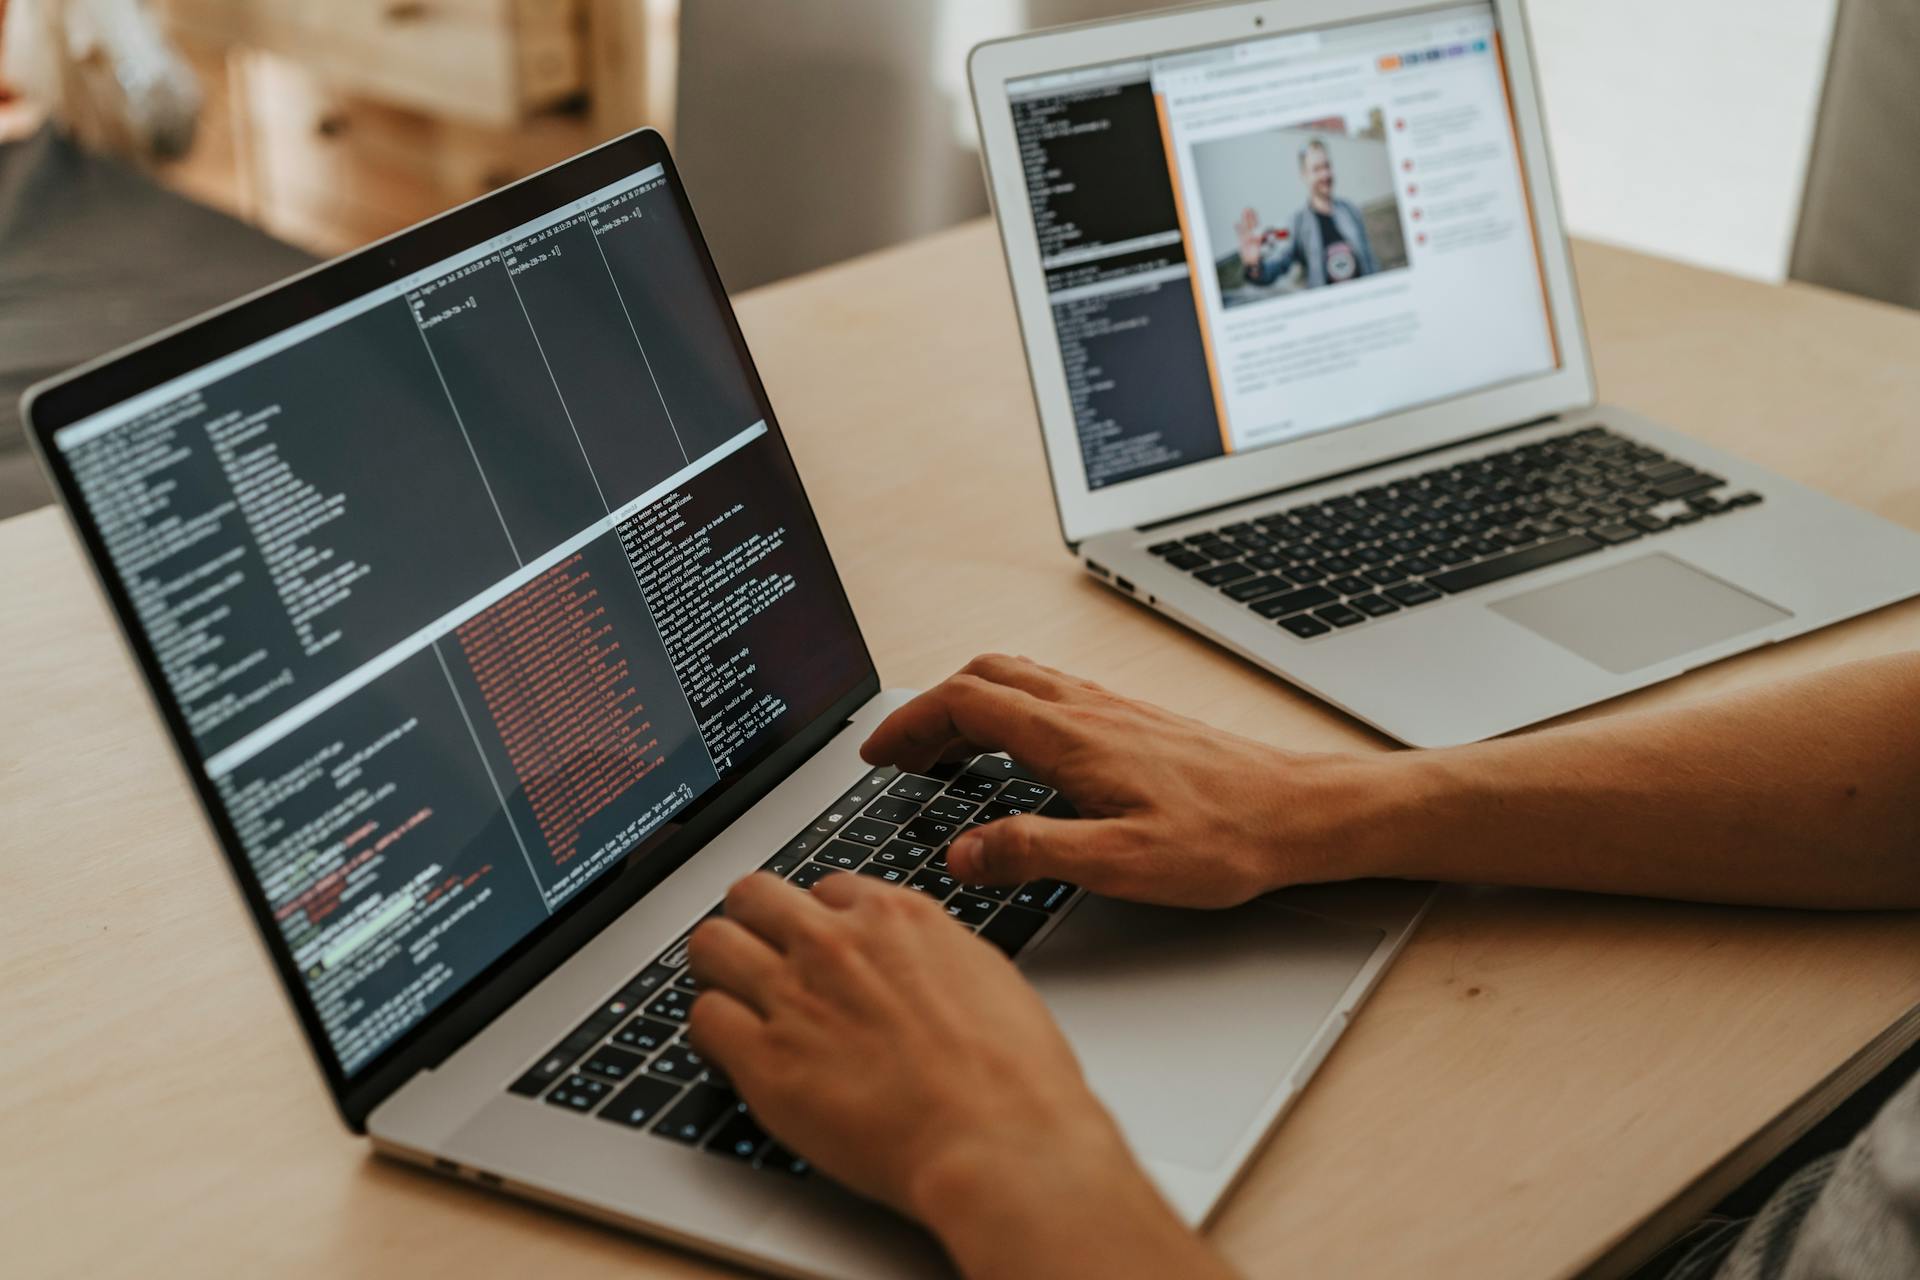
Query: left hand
x,y
910,1061
876,1037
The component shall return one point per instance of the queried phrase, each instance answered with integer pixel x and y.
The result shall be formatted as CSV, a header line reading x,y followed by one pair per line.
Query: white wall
x,y
1682,127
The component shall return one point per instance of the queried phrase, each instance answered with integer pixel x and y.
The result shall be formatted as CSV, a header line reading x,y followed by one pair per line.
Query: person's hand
x,y
909,1061
1172,810
1252,238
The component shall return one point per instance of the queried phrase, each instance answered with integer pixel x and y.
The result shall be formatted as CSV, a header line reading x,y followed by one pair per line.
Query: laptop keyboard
x,y
1337,563
629,1062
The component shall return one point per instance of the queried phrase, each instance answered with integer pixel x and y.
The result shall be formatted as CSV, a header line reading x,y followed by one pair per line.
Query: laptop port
x,y
1124,585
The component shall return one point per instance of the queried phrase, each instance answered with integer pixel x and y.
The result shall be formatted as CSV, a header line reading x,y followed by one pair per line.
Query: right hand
x,y
1172,810
1252,238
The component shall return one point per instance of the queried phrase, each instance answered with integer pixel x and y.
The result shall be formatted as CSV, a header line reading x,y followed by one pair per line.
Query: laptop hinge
x,y
1341,475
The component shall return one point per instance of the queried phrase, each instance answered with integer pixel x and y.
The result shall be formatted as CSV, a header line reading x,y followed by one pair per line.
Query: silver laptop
x,y
483,605
1312,381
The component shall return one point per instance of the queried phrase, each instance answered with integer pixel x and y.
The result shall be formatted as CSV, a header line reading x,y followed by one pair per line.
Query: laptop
x,y
1310,372
483,605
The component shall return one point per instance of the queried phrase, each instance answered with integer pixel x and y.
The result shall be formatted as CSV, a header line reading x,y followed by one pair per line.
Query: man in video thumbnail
x,y
1327,234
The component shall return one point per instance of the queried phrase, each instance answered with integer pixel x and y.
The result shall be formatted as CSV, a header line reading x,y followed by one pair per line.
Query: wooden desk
x,y
1539,1073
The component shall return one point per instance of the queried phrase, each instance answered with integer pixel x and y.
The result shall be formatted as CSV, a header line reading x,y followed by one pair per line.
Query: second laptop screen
x,y
1256,242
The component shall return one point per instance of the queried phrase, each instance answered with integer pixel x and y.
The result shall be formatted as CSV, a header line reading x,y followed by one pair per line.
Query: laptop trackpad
x,y
1188,1021
1636,614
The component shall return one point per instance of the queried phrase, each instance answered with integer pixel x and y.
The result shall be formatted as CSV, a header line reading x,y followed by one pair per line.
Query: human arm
x,y
1804,793
909,1061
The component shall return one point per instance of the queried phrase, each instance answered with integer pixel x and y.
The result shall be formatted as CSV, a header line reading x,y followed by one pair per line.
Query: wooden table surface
x,y
1538,1073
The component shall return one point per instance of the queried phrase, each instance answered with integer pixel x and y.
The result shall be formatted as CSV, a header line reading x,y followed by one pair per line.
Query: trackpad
x,y
1188,1021
1636,614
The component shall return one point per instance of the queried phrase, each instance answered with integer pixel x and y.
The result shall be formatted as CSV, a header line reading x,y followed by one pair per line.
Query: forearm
x,y
1089,1211
1803,794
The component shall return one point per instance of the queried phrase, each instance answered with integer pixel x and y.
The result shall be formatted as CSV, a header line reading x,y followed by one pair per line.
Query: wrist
x,y
987,1196
1366,816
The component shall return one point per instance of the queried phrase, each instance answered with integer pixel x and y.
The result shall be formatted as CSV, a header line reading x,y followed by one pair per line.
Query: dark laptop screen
x,y
468,590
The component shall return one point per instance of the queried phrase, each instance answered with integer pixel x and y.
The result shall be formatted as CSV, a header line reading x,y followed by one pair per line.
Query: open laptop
x,y
1311,376
484,607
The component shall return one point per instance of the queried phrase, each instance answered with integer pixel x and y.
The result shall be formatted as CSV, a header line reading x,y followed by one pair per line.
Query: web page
x,y
468,589
1253,243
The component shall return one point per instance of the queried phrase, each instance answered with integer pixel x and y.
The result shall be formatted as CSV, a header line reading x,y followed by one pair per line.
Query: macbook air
x,y
1312,381
482,603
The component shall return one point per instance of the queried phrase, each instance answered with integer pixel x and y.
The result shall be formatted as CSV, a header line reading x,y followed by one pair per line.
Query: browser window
x,y
1256,242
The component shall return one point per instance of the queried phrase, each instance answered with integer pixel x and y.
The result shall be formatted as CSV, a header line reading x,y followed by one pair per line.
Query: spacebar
x,y
1469,576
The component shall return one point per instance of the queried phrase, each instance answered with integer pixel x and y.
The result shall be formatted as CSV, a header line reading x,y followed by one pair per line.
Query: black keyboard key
x,y
783,862
1253,588
1000,767
1707,504
1028,795
697,1113
1349,586
995,811
1042,895
1294,602
1304,575
1305,625
911,786
1386,575
843,854
646,1034
951,809
1412,593
1013,928
653,978
1747,499
779,1159
1187,561
1614,534
970,909
935,884
642,1100
679,1062
998,892
892,875
672,1005
543,1073
973,787
868,832
1220,574
1646,521
1467,577
1374,606
1340,615
614,1064
1165,548
739,1137
892,809
811,874
928,831
807,842
579,1093
1682,486
902,853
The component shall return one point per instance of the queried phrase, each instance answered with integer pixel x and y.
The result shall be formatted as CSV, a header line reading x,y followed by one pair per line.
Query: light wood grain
x,y
1538,1074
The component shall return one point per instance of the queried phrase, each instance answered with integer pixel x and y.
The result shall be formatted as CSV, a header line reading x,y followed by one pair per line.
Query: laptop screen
x,y
1255,242
469,590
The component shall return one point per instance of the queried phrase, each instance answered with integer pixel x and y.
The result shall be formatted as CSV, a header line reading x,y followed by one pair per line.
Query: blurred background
x,y
1777,140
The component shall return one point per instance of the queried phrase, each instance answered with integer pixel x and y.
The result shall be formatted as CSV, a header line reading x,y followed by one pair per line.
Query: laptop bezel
x,y
117,376
1085,512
